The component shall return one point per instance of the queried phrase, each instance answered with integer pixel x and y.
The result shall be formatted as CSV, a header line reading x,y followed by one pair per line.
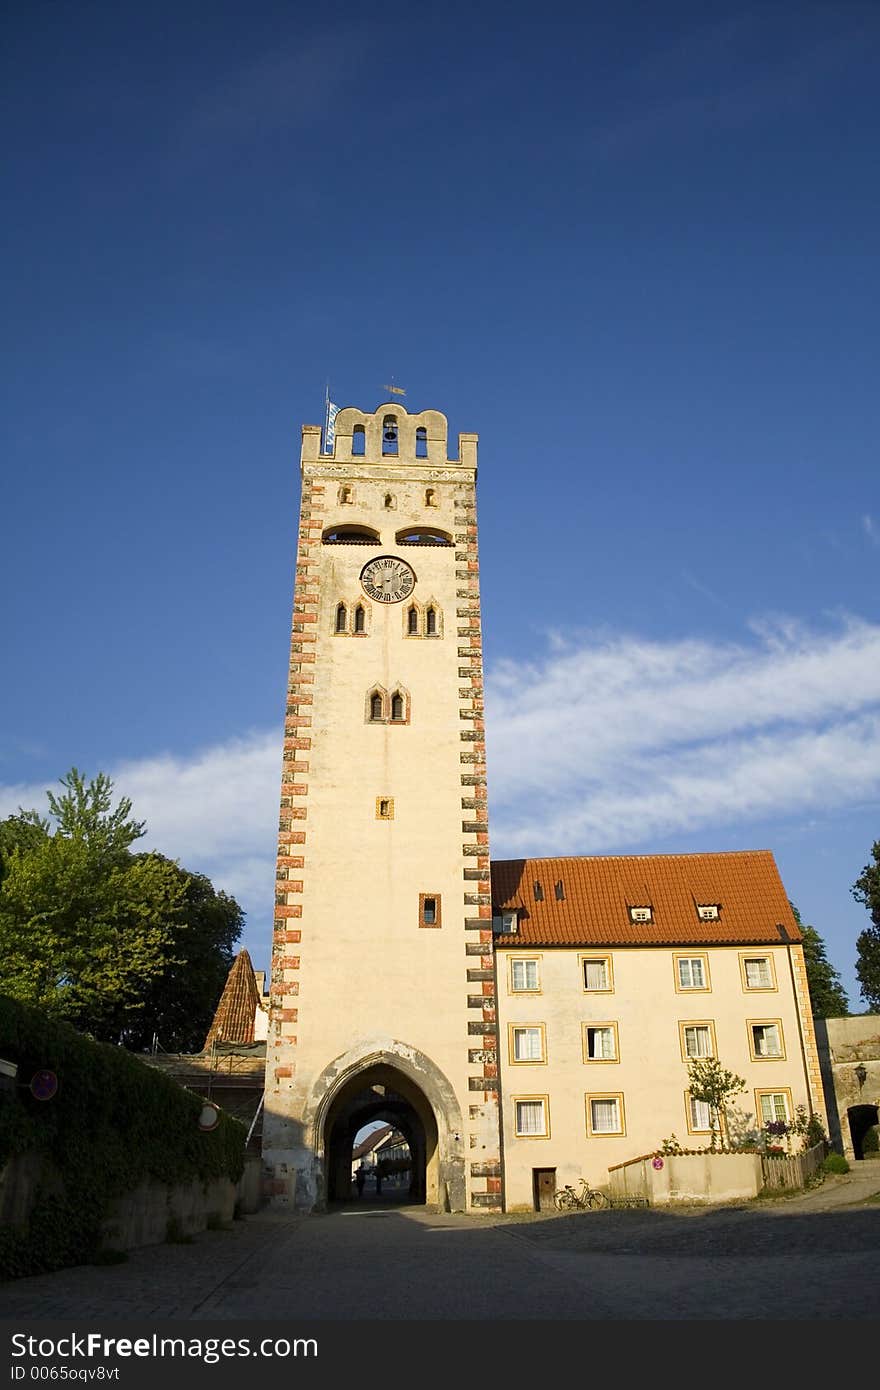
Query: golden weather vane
x,y
394,390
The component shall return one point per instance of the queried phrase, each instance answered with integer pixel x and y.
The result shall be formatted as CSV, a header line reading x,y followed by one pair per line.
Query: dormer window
x,y
708,912
506,923
641,914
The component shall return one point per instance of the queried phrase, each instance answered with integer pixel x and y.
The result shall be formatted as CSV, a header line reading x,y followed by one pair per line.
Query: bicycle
x,y
586,1199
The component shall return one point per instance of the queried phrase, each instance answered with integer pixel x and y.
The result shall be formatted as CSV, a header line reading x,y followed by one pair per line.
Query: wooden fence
x,y
794,1170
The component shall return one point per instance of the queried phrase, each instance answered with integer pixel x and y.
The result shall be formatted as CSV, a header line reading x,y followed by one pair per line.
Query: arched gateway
x,y
382,955
405,1090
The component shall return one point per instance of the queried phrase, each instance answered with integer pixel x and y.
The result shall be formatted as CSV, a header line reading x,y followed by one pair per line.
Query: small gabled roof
x,y
370,1143
587,900
234,1017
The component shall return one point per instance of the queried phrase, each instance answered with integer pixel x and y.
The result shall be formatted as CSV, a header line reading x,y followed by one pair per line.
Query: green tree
x,y
828,998
102,937
866,890
179,1003
715,1086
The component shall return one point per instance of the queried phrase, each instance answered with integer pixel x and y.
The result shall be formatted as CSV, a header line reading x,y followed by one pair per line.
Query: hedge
x,y
113,1123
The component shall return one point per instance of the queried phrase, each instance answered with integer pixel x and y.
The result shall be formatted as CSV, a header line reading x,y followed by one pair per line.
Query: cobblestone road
x,y
407,1263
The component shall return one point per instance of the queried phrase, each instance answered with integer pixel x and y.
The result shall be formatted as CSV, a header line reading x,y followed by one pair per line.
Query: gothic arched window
x,y
376,711
412,622
360,619
341,618
397,706
431,622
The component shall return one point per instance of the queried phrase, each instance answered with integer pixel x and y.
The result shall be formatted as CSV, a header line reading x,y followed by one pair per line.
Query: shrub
x,y
113,1123
871,1140
835,1163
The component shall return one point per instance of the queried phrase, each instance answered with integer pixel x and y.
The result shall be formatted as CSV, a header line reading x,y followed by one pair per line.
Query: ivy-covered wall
x,y
112,1124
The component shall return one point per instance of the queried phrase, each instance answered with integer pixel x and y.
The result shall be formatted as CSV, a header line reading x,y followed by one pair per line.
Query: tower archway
x,y
411,1095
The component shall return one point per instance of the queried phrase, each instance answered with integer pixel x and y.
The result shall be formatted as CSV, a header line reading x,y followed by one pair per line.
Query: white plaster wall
x,y
651,1074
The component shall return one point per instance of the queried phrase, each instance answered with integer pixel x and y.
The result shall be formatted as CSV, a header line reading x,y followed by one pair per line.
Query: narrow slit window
x,y
429,910
341,618
358,440
421,442
360,619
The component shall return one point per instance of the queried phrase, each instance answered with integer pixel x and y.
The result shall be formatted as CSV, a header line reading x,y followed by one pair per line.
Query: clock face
x,y
387,580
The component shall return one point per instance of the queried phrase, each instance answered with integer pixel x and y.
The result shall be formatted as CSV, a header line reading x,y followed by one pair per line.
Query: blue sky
x,y
632,246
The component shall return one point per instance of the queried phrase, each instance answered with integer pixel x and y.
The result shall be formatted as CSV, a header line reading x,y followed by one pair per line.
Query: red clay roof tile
x,y
597,893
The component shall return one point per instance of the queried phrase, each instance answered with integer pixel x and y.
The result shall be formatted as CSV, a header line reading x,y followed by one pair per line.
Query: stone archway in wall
x,y
861,1118
409,1093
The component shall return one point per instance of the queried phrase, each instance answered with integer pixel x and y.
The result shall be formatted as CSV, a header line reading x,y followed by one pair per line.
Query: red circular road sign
x,y
656,1162
44,1085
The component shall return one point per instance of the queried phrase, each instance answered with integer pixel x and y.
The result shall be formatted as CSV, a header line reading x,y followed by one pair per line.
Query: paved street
x,y
813,1256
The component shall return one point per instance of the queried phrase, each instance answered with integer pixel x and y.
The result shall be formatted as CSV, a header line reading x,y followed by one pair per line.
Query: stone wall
x,y
705,1178
849,1055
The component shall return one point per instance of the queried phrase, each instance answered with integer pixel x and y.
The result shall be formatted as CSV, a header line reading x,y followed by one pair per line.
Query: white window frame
x,y
771,1094
544,1104
692,1118
539,1030
702,1023
605,1025
600,1097
591,959
745,957
689,961
535,961
765,1023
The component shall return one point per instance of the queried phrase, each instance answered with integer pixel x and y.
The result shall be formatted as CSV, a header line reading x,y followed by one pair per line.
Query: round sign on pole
x,y
656,1162
209,1117
44,1085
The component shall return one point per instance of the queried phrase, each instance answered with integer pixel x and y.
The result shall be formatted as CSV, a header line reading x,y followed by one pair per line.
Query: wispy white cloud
x,y
871,529
609,742
619,739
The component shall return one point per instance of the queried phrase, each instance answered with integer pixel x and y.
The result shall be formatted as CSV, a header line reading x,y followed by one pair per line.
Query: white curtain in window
x,y
774,1107
601,1043
530,1117
605,1115
758,974
596,974
525,974
690,974
698,1042
767,1040
527,1044
701,1116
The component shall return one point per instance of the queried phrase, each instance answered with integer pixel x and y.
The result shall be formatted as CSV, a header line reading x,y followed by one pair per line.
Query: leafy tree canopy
x,y
828,998
119,944
866,890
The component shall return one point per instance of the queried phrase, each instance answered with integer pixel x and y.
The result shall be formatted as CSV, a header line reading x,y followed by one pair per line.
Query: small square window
x,y
600,1042
773,1106
691,973
525,977
605,1114
697,1039
531,1117
757,972
597,974
429,910
527,1042
384,808
708,912
766,1039
641,914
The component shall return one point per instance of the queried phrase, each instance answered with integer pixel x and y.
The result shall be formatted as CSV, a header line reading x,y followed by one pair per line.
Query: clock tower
x,y
382,980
